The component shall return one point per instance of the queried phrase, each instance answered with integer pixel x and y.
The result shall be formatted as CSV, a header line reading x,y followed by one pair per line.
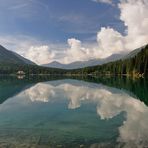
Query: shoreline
x,y
80,75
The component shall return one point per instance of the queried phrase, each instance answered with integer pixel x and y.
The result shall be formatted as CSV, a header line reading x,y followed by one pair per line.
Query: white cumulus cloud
x,y
39,54
134,15
110,41
75,52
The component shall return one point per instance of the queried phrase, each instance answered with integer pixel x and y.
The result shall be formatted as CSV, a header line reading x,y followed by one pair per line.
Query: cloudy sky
x,y
72,30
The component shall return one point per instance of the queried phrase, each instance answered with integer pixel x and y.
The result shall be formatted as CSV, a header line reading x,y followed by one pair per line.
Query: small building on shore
x,y
20,73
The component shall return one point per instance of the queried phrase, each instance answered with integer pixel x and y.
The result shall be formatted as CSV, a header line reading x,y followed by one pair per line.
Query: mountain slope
x,y
55,64
11,63
24,59
9,57
133,53
81,64
135,65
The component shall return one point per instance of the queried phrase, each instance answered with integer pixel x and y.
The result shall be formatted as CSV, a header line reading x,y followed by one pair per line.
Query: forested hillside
x,y
135,66
29,69
11,63
10,57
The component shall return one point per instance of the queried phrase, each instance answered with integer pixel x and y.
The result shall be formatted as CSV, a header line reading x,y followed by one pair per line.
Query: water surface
x,y
109,112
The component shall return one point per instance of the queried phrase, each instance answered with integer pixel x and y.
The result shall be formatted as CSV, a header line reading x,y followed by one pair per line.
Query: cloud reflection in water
x,y
109,103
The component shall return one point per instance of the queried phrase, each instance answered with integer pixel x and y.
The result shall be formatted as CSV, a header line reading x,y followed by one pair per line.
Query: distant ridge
x,y
135,64
82,64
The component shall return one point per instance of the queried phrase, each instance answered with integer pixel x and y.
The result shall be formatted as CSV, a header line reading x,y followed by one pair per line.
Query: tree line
x,y
29,69
134,66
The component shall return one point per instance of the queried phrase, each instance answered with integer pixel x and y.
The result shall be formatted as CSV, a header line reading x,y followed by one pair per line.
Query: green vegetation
x,y
11,63
29,69
136,66
8,57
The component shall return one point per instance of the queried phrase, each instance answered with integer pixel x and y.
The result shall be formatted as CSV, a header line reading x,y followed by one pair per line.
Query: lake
x,y
44,112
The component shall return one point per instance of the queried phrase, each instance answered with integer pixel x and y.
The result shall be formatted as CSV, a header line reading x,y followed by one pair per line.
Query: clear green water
x,y
89,112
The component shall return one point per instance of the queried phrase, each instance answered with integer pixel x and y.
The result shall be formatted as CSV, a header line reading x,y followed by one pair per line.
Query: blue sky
x,y
72,30
57,20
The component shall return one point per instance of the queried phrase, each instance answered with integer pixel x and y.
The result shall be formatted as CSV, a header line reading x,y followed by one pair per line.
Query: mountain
x,y
94,62
82,64
10,57
11,63
134,64
133,53
26,61
55,64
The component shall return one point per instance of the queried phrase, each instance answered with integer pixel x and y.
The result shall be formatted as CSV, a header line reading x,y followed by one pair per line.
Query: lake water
x,y
67,112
